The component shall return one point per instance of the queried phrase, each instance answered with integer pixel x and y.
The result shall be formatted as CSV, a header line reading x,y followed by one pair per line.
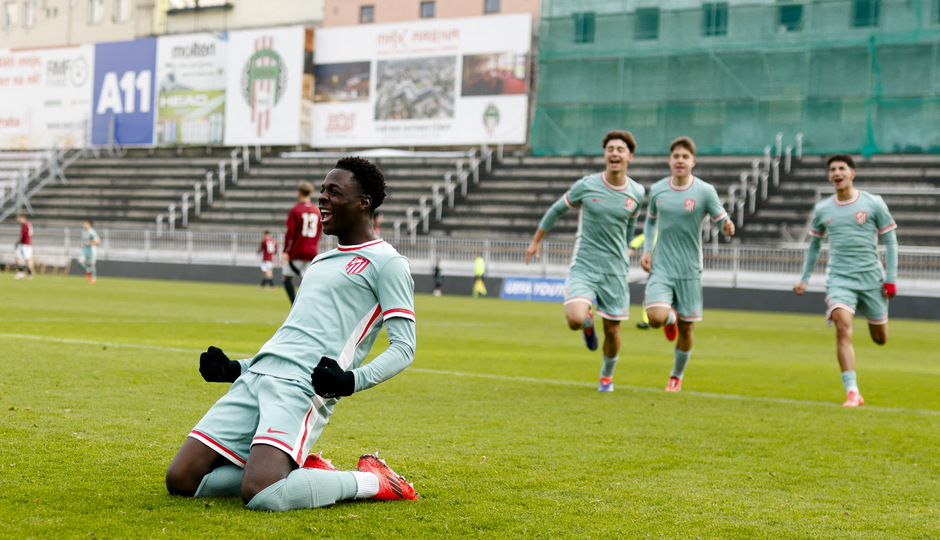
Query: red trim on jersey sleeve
x,y
403,313
887,228
816,233
720,217
568,202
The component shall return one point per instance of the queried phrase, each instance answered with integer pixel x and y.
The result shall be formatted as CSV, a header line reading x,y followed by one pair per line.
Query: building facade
x,y
353,12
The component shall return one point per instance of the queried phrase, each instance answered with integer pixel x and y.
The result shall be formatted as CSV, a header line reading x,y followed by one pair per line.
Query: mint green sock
x,y
849,381
224,481
679,362
607,369
306,488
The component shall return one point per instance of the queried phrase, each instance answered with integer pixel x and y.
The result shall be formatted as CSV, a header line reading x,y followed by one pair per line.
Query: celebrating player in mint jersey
x,y
609,204
302,239
255,441
673,252
853,220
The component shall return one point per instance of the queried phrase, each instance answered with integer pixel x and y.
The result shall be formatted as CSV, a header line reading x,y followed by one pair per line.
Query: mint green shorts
x,y
683,294
611,291
869,302
261,409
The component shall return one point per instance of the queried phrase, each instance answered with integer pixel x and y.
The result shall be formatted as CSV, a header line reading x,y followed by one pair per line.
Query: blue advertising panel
x,y
533,289
124,92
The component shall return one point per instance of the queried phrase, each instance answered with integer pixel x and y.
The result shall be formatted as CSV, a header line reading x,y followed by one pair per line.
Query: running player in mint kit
x,y
255,441
853,220
673,252
609,203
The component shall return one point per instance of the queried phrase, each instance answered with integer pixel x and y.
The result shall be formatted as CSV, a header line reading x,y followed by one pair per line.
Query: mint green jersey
x,y
853,228
345,297
674,226
89,251
605,225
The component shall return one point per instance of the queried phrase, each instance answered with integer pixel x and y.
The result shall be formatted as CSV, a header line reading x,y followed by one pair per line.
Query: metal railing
x,y
734,265
755,183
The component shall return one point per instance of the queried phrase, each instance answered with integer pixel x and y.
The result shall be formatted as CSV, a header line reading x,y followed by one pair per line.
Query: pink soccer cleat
x,y
674,384
316,461
392,486
853,399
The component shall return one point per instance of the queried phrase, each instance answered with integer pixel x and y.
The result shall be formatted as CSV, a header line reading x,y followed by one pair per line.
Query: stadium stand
x,y
909,184
511,200
121,192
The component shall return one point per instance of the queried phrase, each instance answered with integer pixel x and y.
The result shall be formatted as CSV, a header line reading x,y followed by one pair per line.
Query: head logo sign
x,y
124,92
264,80
357,265
689,205
861,217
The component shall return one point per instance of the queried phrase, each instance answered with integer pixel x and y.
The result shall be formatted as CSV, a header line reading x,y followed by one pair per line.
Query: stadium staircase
x,y
127,191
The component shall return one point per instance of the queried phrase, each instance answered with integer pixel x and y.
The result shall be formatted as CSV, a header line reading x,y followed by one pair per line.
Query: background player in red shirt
x,y
267,249
24,249
301,239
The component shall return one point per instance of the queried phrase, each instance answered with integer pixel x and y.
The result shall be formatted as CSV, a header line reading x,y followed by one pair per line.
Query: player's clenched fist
x,y
330,381
214,366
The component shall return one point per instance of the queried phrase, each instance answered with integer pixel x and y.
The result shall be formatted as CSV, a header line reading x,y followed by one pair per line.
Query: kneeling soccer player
x,y
255,440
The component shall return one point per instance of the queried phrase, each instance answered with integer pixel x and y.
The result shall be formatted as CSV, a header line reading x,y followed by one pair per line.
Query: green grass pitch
x,y
498,423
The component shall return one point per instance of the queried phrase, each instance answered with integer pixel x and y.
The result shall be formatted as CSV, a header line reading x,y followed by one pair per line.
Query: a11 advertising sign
x,y
124,92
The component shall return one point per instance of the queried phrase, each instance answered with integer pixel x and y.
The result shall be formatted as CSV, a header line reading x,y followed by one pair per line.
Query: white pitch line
x,y
493,376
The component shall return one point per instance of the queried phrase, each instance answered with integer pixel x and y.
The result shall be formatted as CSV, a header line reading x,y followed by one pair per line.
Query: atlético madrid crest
x,y
689,205
861,217
631,204
357,265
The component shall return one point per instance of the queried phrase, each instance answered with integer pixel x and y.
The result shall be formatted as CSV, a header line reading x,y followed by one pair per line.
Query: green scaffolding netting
x,y
851,76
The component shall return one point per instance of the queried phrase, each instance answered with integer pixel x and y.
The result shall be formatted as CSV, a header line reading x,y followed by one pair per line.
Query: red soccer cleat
x,y
672,330
316,461
392,486
674,384
853,399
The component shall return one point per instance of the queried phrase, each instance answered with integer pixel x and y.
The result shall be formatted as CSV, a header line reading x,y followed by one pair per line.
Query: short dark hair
x,y
305,189
624,136
685,142
845,158
368,175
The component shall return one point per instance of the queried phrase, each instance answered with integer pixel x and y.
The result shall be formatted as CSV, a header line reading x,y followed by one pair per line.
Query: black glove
x,y
330,381
216,367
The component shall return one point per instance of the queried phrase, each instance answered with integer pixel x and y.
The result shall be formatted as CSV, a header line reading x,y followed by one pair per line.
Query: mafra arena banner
x,y
46,97
264,84
436,82
191,89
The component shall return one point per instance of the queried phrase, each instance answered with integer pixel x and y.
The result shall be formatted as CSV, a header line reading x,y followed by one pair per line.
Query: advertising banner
x,y
437,82
264,83
124,92
535,289
191,89
46,97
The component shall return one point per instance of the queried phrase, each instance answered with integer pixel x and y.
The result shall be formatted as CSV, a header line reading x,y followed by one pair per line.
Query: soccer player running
x,y
302,239
88,258
673,252
853,220
255,440
609,204
24,249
